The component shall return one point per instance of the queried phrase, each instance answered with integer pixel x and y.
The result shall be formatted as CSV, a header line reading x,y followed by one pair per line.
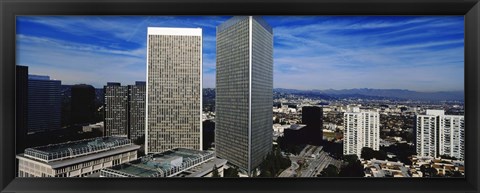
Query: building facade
x,y
426,135
21,95
84,158
44,104
174,89
312,116
116,110
362,129
452,136
83,104
244,84
438,134
136,97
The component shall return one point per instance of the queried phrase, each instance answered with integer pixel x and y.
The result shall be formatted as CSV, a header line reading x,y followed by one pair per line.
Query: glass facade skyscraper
x,y
44,104
83,103
244,83
174,89
21,110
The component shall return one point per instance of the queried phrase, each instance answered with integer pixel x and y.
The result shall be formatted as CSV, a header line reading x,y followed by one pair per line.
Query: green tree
x,y
274,163
329,171
352,167
369,153
457,174
428,171
231,172
215,173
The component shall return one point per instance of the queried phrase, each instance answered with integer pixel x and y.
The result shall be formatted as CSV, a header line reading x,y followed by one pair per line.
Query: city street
x,y
314,161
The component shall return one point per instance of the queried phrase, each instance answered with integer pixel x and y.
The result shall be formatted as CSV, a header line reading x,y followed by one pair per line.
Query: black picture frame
x,y
9,9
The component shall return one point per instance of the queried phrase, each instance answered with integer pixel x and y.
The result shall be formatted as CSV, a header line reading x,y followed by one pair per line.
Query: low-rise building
x,y
178,162
383,168
443,167
77,158
97,127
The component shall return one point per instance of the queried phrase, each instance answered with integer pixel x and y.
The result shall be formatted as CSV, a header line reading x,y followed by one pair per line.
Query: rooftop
x,y
297,126
174,31
166,164
81,159
71,149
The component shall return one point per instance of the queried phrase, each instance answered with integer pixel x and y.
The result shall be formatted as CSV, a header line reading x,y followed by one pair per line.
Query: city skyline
x,y
415,53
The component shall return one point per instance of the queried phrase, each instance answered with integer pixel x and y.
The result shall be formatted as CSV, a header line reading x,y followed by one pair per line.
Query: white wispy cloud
x,y
75,64
417,53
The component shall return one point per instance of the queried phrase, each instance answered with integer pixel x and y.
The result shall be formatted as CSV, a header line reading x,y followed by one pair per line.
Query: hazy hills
x,y
381,94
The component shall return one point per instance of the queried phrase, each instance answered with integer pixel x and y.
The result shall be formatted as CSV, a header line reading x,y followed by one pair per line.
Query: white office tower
x,y
362,129
244,96
174,89
439,134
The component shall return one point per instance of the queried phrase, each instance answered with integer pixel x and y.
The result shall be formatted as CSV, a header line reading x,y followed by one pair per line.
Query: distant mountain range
x,y
380,94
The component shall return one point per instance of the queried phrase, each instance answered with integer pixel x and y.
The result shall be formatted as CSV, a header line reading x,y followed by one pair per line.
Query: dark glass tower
x,y
83,103
313,117
44,103
21,107
244,83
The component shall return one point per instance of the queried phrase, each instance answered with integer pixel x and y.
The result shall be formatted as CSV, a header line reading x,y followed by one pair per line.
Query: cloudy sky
x,y
338,52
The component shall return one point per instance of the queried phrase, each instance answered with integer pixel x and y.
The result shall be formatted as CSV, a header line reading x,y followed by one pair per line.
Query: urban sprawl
x,y
169,126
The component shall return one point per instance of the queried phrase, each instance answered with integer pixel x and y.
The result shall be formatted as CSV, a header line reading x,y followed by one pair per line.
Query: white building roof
x,y
435,112
174,31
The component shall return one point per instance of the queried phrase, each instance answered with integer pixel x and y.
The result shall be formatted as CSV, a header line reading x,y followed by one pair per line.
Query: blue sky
x,y
422,53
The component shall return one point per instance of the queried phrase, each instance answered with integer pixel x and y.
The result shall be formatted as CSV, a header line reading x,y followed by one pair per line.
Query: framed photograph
x,y
239,96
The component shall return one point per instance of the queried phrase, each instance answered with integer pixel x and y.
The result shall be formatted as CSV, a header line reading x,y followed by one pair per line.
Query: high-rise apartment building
x,y
83,103
136,109
438,134
244,84
116,110
174,89
362,129
427,133
44,104
452,136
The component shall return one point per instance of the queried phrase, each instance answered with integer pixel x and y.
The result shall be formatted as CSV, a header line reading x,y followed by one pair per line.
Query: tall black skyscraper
x,y
83,103
44,103
136,109
313,117
21,108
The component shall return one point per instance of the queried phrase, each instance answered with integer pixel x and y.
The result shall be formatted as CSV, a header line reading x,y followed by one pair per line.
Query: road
x,y
314,161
